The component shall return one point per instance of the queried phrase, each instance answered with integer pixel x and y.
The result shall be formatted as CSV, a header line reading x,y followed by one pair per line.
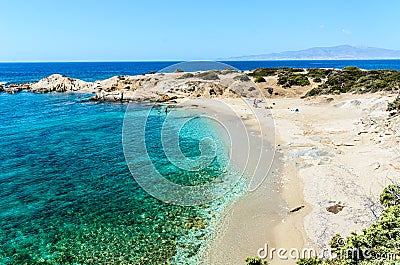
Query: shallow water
x,y
67,196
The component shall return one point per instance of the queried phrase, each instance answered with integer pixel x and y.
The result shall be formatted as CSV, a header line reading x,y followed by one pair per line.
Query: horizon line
x,y
218,60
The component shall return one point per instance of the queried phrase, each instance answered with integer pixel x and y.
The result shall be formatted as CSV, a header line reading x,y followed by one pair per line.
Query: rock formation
x,y
151,87
60,83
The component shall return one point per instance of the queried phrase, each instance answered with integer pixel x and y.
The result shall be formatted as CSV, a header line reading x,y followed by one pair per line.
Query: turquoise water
x,y
67,196
66,193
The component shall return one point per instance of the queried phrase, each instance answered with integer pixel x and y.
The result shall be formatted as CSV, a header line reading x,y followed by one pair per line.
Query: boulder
x,y
335,208
59,83
165,98
13,88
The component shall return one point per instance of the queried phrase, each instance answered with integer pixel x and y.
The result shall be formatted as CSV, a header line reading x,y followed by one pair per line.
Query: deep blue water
x,y
29,72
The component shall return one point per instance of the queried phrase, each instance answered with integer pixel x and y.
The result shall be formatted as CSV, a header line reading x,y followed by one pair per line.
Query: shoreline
x,y
328,146
235,224
317,170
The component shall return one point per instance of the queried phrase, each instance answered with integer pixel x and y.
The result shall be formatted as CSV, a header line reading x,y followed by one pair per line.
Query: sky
x,y
129,30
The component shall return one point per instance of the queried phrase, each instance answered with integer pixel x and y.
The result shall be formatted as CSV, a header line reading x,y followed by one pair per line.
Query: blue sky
x,y
96,30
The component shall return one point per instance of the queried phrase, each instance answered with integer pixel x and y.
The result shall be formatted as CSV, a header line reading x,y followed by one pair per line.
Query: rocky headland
x,y
158,87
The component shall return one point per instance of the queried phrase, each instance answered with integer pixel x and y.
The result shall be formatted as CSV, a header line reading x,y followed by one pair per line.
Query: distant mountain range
x,y
342,52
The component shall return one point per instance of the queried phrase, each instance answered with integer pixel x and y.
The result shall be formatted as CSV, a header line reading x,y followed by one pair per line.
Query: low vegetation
x,y
255,261
350,79
260,72
287,77
243,78
186,75
209,75
319,72
355,80
377,244
395,105
291,79
259,79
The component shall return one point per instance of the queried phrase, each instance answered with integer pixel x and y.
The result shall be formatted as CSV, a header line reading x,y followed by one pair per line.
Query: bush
x,y
351,68
210,75
187,75
390,196
310,261
259,79
264,72
243,78
294,70
289,80
255,261
395,105
319,73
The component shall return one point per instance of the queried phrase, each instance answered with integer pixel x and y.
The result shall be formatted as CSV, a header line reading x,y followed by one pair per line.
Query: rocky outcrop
x,y
60,83
173,86
158,87
13,88
2,85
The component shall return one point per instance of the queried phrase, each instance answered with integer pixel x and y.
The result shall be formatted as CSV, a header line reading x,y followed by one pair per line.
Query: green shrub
x,y
243,78
318,72
309,261
186,75
289,80
390,196
259,79
295,70
255,261
355,80
395,105
209,75
264,72
351,68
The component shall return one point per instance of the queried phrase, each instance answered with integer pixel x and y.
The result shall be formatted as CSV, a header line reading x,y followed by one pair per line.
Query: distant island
x,y
342,52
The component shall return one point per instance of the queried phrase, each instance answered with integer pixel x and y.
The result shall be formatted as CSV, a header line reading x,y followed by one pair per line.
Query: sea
x,y
66,193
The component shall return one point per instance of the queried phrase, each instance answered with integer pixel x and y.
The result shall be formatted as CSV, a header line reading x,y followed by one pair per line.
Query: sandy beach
x,y
335,156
